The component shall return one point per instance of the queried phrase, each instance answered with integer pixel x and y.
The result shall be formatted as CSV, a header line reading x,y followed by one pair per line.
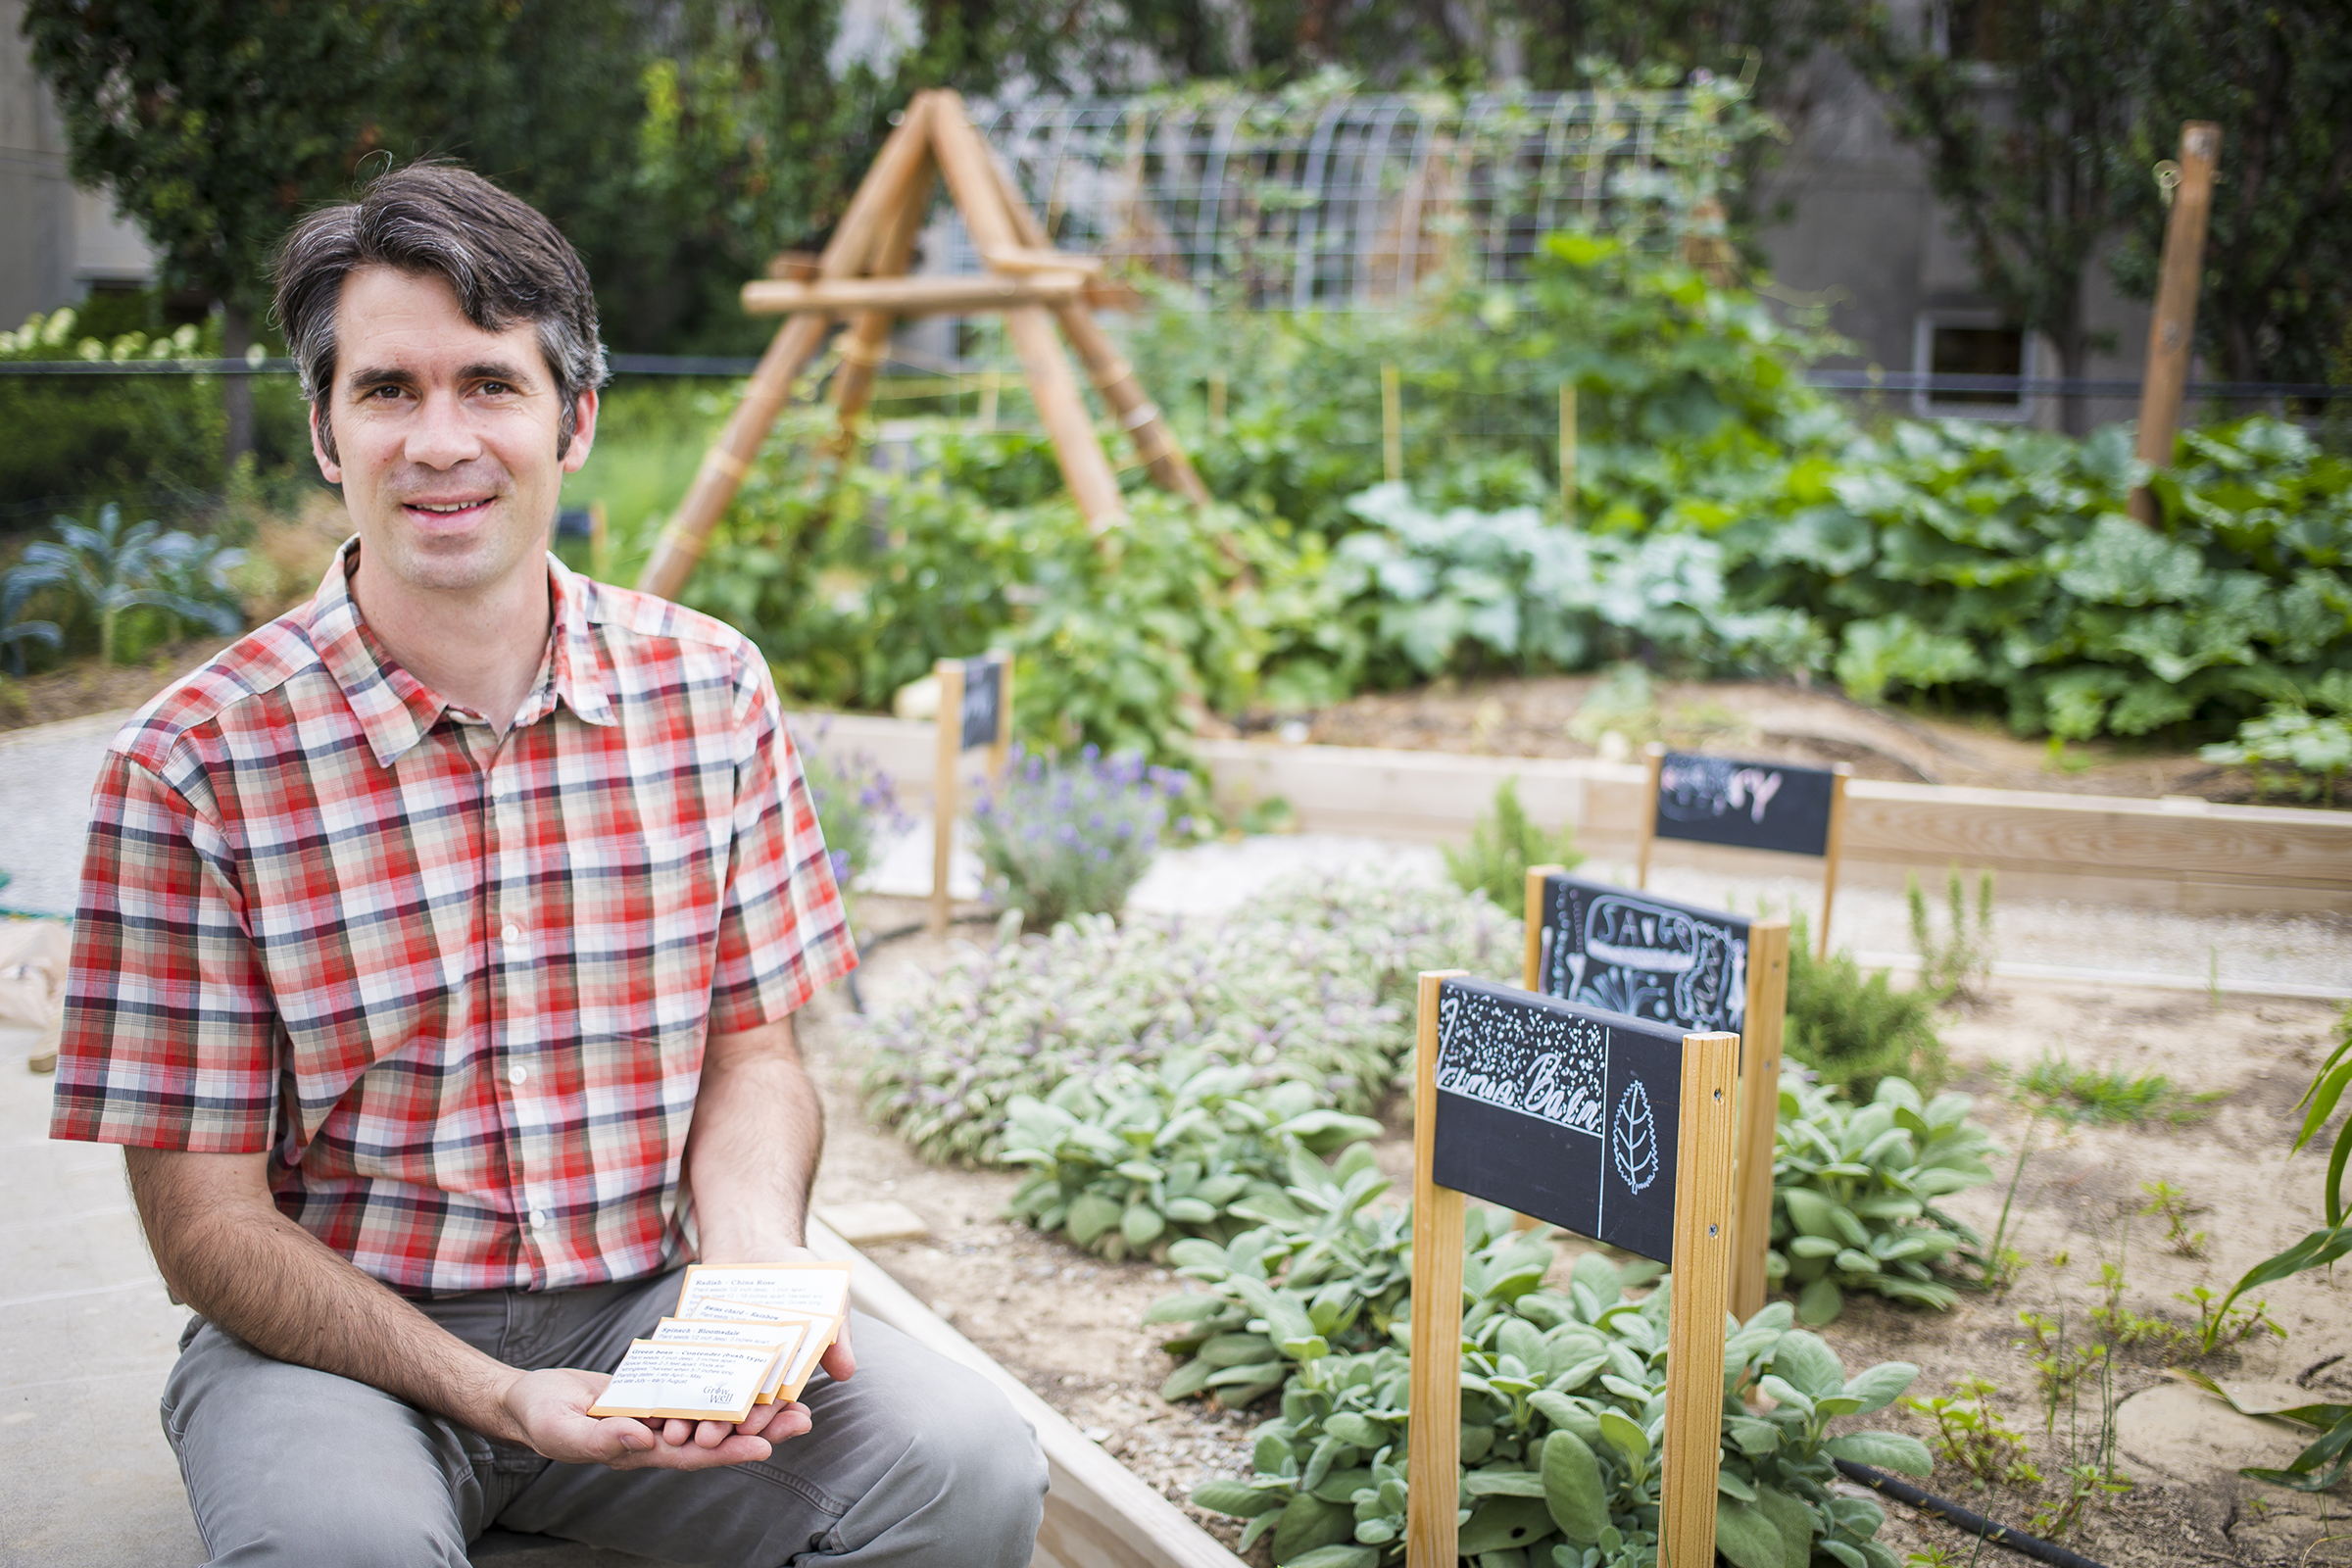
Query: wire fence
x,y
1352,199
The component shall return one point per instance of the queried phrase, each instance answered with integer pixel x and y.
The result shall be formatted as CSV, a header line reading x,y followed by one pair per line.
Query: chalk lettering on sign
x,y
1757,806
1568,1114
1644,955
1543,1064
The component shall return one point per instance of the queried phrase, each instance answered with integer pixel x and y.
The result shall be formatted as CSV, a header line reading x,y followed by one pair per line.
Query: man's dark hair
x,y
504,261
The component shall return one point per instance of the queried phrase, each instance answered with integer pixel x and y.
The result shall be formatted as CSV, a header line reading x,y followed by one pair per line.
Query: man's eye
x,y
496,388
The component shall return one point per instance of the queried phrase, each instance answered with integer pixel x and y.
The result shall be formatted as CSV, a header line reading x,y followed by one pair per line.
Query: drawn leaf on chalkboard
x,y
1634,1137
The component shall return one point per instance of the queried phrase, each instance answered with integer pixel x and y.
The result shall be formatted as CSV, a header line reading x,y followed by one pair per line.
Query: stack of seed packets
x,y
742,1335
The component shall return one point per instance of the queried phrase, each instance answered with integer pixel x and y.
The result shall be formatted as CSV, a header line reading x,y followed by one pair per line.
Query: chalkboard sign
x,y
1749,806
983,693
1567,1113
1642,955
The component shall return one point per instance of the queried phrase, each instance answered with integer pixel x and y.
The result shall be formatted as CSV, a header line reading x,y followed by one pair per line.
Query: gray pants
x,y
915,1460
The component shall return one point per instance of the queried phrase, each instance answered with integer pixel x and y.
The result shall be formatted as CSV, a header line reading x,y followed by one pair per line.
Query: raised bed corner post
x,y
879,197
1707,1133
2172,328
949,675
1766,1015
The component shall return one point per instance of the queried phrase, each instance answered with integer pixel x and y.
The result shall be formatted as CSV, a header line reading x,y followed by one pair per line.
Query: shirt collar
x,y
396,710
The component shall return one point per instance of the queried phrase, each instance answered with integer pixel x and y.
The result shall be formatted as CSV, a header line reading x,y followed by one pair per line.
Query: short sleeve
x,y
782,931
170,1034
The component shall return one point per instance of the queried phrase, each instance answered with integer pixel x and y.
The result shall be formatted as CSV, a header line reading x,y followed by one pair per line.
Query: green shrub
x,y
1855,1189
1501,846
2302,745
1853,1030
155,442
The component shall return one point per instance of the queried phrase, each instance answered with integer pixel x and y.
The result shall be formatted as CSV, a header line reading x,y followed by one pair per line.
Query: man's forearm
x,y
759,1128
251,1271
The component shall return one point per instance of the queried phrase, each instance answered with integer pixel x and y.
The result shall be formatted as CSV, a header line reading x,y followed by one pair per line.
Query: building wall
x,y
1864,234
55,241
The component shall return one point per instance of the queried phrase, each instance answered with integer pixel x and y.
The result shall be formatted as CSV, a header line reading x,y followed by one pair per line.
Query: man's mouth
x,y
448,509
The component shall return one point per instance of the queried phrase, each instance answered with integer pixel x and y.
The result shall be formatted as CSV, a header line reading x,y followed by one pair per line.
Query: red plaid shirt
x,y
458,990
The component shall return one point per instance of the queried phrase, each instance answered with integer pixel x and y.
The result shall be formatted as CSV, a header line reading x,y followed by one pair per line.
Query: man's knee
x,y
970,1479
285,1464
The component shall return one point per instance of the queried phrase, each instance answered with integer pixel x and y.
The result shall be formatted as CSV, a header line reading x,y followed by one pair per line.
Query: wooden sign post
x,y
1747,806
2173,328
861,279
975,710
1607,1126
1694,969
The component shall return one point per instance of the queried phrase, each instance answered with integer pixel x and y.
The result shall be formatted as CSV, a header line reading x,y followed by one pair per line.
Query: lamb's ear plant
x,y
1854,1191
1563,1404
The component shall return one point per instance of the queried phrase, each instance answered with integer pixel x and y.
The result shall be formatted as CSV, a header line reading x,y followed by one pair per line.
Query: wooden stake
x,y
1113,377
949,673
1831,851
1568,451
1759,1110
1392,423
1434,1428
1702,1236
1653,759
1530,972
911,296
2172,329
1216,401
716,482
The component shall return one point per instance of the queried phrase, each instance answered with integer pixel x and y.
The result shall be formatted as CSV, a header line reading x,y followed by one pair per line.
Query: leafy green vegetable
x,y
1855,1189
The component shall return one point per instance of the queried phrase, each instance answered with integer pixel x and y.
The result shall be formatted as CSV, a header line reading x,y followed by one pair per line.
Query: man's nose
x,y
442,435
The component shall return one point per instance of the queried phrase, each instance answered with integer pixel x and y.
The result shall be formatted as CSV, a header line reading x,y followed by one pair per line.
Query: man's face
x,y
445,436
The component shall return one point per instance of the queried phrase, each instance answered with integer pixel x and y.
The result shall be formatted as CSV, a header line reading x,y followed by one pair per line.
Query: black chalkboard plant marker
x,y
1825,841
1707,1132
988,672
1765,1016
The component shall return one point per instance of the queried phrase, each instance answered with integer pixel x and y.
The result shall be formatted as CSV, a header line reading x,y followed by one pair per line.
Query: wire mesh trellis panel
x,y
1352,199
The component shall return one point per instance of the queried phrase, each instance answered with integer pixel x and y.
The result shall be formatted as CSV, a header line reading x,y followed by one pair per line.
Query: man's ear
x,y
583,431
327,465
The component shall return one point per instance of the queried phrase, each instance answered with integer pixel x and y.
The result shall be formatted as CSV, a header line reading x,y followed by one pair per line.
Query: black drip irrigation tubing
x,y
1975,1524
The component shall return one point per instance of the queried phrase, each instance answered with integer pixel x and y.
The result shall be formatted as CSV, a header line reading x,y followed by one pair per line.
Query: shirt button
x,y
515,1075
538,1220
513,933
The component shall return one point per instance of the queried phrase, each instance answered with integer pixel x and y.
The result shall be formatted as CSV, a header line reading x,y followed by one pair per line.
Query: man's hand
x,y
551,1408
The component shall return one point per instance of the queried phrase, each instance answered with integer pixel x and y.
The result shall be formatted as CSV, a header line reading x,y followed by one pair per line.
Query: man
x,y
437,950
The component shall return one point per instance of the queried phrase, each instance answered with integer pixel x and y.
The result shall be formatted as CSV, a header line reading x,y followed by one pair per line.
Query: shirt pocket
x,y
643,929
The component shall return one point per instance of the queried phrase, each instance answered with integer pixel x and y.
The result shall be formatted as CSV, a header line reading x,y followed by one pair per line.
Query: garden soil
x,y
1576,717
1068,1324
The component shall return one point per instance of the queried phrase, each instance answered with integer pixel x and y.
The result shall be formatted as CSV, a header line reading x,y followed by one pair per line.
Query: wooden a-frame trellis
x,y
862,277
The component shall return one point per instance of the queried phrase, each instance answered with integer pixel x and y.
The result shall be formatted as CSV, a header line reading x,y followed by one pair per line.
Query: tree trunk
x,y
236,391
2074,361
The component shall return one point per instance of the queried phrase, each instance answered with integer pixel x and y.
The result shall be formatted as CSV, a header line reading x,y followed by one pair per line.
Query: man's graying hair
x,y
504,261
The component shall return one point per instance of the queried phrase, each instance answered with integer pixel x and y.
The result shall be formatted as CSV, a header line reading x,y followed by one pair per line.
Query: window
x,y
1972,344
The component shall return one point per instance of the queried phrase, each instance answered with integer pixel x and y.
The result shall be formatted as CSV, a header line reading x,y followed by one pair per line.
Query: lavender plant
x,y
1060,839
856,805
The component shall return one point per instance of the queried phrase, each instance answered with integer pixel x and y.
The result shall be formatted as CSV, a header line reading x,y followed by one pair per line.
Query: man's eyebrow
x,y
370,376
